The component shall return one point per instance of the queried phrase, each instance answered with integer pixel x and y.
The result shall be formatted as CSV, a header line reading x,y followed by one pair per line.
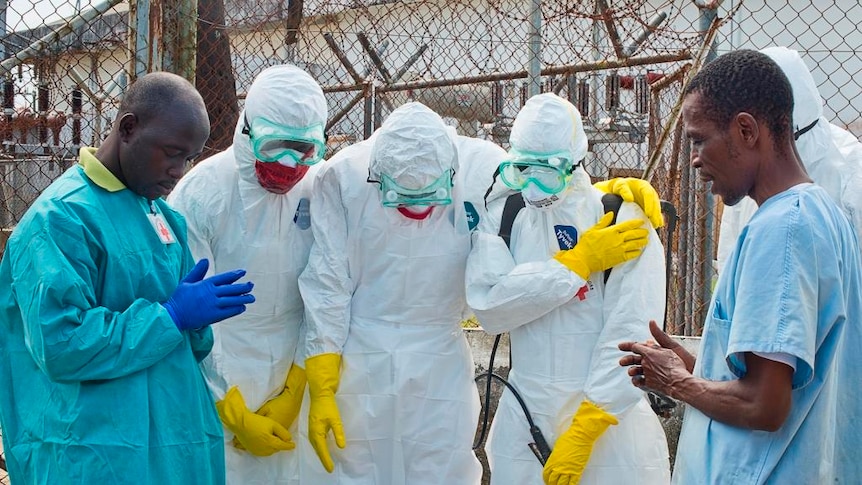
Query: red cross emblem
x,y
582,293
163,230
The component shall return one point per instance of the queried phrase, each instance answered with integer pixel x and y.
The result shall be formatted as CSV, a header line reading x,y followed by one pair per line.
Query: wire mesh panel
x,y
474,61
468,60
57,95
622,63
827,36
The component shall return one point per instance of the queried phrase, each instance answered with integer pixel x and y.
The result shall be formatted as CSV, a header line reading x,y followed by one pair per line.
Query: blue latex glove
x,y
199,302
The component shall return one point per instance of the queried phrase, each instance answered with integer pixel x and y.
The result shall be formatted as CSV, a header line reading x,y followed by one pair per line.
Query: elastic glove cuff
x,y
570,260
284,408
592,420
295,380
232,409
322,372
173,314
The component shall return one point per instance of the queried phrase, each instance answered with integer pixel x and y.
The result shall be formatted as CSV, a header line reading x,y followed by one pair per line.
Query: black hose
x,y
540,446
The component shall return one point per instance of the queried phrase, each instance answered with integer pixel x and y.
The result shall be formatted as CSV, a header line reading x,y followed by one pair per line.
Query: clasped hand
x,y
199,302
658,365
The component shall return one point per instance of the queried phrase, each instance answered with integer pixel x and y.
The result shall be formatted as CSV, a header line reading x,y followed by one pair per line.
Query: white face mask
x,y
416,209
539,199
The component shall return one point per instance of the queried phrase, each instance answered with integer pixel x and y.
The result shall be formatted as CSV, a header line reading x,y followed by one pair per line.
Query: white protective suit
x,y
851,196
832,156
236,223
387,292
563,330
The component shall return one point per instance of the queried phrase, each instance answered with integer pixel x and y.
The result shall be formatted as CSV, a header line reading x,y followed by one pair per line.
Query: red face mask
x,y
416,216
277,178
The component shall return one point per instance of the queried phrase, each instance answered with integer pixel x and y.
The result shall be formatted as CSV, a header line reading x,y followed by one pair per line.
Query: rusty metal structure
x,y
64,65
623,63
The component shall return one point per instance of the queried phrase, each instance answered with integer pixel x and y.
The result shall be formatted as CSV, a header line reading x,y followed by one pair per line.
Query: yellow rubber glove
x,y
259,435
285,407
323,372
638,191
572,450
602,247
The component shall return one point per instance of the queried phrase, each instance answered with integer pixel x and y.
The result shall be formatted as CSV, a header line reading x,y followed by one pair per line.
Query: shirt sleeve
x,y
325,284
201,341
505,295
70,337
786,359
776,291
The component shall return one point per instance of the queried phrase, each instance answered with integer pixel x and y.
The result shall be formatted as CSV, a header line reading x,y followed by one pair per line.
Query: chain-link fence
x,y
622,63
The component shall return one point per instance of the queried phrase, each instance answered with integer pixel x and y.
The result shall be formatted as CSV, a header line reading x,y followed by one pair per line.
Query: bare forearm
x,y
735,403
759,399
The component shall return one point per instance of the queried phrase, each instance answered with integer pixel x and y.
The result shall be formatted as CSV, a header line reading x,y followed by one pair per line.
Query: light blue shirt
x,y
792,286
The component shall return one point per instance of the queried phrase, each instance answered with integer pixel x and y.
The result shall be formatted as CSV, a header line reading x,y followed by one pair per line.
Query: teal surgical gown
x,y
791,286
97,385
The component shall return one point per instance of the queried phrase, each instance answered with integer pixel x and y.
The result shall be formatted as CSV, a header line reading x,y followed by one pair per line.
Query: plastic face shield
x,y
437,193
550,172
287,146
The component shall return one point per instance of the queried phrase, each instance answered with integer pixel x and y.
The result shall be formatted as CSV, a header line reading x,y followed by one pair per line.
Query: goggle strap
x,y
491,187
246,129
575,165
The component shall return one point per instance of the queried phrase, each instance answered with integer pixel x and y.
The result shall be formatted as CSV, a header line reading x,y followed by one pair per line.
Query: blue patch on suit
x,y
302,218
472,215
567,236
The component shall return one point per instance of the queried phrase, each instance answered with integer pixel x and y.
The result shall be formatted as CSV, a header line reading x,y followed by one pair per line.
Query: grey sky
x,y
25,14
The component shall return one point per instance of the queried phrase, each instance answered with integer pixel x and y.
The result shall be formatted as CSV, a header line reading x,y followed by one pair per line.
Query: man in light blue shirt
x,y
771,395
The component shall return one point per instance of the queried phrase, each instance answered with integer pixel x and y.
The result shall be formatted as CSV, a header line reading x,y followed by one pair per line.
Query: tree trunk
x,y
214,77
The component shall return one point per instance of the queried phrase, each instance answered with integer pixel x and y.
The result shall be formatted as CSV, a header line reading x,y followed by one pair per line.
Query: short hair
x,y
746,81
156,92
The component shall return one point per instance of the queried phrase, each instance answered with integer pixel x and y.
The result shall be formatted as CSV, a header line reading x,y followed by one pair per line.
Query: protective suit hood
x,y
282,94
807,104
548,123
413,147
819,154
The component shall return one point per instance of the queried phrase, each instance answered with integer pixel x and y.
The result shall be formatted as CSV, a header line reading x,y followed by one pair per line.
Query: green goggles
x,y
517,176
287,146
550,172
437,193
562,160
